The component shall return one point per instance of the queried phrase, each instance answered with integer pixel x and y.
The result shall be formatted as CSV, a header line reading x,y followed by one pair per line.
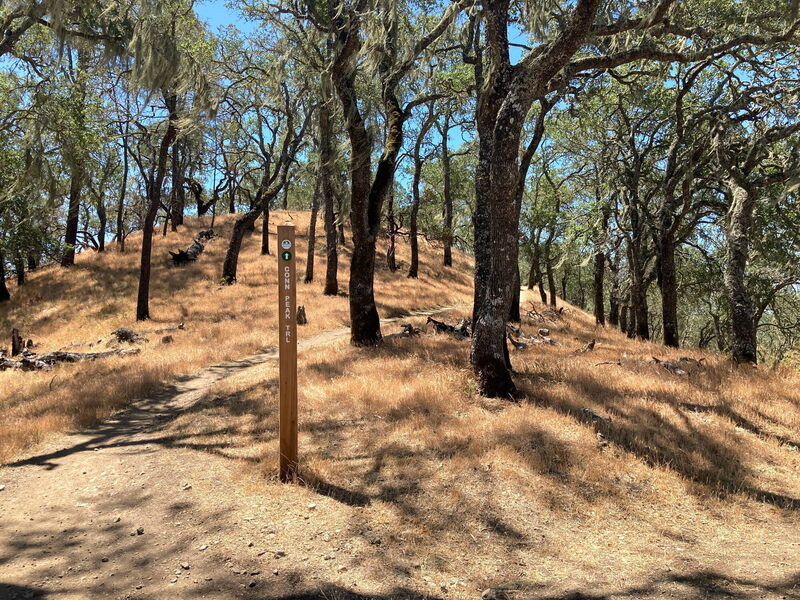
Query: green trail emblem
x,y
286,256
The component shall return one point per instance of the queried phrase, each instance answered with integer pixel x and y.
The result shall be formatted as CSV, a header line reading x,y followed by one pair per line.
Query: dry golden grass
x,y
59,307
446,492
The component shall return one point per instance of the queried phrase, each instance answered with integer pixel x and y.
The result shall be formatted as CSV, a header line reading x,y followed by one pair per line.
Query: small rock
x,y
167,339
117,519
2,487
249,544
253,583
174,580
185,566
275,572
342,569
279,553
140,531
254,573
203,547
104,559
312,506
187,486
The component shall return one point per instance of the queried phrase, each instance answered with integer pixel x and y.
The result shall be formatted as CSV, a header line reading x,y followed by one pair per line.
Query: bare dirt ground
x,y
126,511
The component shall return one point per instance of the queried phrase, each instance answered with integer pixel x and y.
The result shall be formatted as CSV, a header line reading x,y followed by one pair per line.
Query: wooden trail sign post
x,y
287,309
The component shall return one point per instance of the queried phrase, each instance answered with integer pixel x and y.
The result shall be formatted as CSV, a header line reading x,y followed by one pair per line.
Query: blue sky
x,y
217,14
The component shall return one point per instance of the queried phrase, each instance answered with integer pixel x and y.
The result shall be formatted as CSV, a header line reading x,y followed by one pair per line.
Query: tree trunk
x,y
551,278
366,199
623,319
154,199
240,226
33,262
613,297
744,343
668,283
312,227
391,251
71,235
103,218
328,199
122,193
265,230
5,296
178,193
447,194
599,276
19,269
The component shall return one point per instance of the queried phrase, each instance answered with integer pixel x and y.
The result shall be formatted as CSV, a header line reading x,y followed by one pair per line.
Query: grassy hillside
x,y
59,307
616,480
690,490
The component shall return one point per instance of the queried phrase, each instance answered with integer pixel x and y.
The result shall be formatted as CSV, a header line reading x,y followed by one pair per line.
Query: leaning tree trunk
x,y
366,199
744,343
71,234
312,228
154,198
240,227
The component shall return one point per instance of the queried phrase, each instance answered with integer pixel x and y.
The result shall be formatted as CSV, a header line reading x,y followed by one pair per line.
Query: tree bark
x,y
122,193
366,198
447,194
744,343
240,227
178,193
312,227
392,226
154,202
599,277
19,269
71,235
5,296
103,218
413,271
265,230
328,199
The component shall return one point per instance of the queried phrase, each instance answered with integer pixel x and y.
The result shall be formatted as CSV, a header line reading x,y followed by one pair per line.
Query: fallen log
x,y
45,362
461,331
671,367
182,257
588,347
408,331
517,344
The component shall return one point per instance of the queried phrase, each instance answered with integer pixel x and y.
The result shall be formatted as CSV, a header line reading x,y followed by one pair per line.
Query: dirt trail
x,y
125,510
